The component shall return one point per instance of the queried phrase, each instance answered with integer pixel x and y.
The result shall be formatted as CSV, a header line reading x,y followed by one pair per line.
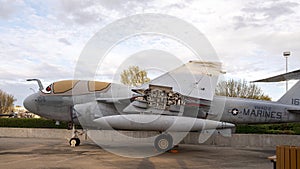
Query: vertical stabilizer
x,y
292,96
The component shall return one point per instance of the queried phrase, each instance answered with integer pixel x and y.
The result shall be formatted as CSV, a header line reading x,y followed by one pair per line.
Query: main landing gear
x,y
163,142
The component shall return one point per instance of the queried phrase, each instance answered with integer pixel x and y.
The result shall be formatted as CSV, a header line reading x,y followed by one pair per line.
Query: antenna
x,y
39,83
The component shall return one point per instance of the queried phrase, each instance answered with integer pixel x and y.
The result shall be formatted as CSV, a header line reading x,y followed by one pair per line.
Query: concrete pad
x,y
39,153
237,140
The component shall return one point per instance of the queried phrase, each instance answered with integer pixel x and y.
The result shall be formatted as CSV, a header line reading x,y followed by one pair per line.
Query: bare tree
x,y
6,102
242,89
133,76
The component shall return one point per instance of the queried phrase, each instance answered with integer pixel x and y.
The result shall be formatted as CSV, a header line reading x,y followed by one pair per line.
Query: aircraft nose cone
x,y
30,103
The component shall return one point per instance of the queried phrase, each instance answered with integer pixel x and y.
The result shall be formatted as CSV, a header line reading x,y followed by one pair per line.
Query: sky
x,y
44,38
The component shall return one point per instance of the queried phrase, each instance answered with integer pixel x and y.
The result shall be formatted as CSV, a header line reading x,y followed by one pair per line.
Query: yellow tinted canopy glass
x,y
63,86
97,86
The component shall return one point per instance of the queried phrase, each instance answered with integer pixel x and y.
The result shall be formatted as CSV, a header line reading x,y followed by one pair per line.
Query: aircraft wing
x,y
294,75
195,79
160,104
104,117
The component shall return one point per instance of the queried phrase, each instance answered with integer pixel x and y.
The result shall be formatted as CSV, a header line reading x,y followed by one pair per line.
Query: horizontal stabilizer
x,y
294,75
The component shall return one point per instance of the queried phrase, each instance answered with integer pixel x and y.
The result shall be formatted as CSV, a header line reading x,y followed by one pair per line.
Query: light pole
x,y
286,55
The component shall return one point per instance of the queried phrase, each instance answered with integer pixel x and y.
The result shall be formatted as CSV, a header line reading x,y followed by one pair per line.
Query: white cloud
x,y
8,8
43,39
260,13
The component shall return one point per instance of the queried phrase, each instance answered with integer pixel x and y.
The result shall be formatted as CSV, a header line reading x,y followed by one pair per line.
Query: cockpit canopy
x,y
71,87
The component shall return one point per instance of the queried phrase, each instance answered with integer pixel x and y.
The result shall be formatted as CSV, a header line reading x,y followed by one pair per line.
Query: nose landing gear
x,y
74,141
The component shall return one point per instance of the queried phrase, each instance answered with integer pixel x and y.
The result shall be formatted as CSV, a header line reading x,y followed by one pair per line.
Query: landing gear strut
x,y
163,142
74,141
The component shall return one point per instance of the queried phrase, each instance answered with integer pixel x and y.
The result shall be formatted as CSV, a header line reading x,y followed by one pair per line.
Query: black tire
x,y
74,141
163,142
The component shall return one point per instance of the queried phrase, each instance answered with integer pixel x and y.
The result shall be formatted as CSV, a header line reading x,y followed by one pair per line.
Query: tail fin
x,y
292,96
195,79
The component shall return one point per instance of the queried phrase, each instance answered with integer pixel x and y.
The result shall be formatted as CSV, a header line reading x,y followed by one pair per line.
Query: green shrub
x,y
287,128
31,123
297,130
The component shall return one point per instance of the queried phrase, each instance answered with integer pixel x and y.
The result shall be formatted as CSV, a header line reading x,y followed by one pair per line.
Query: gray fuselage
x,y
233,110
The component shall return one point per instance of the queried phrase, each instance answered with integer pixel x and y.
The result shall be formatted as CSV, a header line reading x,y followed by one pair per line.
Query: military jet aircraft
x,y
181,100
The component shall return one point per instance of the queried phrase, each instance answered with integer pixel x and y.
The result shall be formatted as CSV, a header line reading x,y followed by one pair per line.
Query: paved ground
x,y
51,154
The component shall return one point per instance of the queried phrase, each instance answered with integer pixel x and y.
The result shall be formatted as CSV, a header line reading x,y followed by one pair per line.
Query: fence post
x,y
298,157
287,157
293,155
278,157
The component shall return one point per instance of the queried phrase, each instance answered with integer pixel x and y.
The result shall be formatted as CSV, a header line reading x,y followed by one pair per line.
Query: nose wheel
x,y
163,142
74,141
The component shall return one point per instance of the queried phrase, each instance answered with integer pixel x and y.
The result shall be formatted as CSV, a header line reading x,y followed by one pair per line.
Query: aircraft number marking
x,y
296,101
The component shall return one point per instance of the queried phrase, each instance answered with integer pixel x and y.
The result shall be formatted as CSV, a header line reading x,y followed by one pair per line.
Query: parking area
x,y
55,153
